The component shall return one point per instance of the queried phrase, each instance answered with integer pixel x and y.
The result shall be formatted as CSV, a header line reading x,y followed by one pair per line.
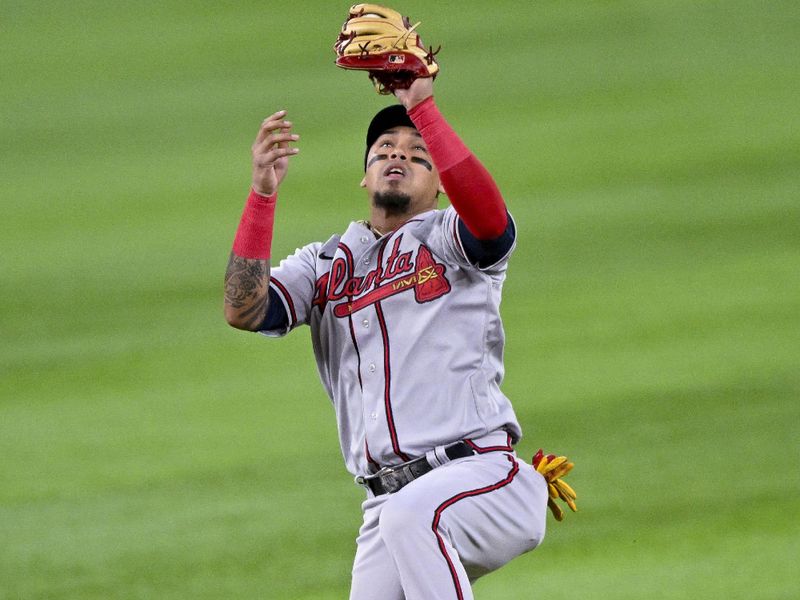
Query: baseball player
x,y
404,315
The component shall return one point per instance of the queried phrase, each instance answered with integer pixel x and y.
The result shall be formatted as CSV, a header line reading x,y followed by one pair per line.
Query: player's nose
x,y
398,155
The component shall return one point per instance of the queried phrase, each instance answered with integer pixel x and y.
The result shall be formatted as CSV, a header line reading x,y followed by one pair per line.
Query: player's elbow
x,y
241,320
233,319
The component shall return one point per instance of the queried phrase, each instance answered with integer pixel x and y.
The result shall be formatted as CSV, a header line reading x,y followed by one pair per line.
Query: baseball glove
x,y
553,468
382,41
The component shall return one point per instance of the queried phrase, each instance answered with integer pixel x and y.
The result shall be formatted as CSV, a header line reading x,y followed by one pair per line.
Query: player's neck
x,y
383,220
380,223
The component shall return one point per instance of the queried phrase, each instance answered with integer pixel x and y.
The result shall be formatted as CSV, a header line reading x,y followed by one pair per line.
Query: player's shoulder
x,y
422,224
320,253
311,252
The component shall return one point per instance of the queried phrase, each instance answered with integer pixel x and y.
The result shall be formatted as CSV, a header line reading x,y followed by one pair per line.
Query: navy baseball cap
x,y
391,116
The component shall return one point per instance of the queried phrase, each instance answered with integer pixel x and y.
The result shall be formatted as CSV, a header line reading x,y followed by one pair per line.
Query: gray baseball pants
x,y
444,530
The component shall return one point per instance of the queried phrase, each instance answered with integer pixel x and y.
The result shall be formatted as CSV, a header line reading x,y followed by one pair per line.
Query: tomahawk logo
x,y
424,276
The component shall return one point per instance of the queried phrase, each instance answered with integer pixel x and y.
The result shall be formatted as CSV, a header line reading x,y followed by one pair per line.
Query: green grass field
x,y
650,152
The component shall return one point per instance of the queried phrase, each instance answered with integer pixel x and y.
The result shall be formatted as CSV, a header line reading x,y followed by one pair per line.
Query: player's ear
x,y
441,188
363,182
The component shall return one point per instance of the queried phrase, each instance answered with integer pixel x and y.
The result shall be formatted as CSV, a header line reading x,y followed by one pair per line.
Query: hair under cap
x,y
391,116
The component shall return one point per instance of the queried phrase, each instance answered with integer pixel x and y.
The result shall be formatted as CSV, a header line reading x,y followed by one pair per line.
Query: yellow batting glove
x,y
553,468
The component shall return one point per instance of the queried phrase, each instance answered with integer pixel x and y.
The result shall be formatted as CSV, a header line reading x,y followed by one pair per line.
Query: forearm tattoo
x,y
246,288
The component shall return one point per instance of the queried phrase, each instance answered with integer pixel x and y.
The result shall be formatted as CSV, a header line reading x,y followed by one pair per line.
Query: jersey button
x,y
374,416
365,323
372,367
365,261
364,239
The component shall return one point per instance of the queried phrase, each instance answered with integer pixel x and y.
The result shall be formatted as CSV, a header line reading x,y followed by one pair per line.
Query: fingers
x,y
270,158
274,130
272,142
555,509
271,123
277,139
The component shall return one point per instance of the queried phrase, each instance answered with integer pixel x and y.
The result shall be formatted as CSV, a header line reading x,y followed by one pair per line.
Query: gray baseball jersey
x,y
407,337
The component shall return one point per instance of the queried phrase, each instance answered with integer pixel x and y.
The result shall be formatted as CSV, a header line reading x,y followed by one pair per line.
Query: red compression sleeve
x,y
469,186
254,235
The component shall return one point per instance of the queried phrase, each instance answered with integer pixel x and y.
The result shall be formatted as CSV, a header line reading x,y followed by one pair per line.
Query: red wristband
x,y
254,236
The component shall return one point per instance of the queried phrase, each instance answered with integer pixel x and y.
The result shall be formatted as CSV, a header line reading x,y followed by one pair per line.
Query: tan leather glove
x,y
385,43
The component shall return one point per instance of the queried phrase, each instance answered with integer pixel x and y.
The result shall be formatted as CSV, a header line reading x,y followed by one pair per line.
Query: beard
x,y
394,203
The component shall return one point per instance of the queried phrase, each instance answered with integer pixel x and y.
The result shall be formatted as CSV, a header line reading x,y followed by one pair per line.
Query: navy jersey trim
x,y
457,237
276,318
485,253
288,298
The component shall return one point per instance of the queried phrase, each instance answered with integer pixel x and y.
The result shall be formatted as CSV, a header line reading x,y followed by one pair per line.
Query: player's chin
x,y
394,201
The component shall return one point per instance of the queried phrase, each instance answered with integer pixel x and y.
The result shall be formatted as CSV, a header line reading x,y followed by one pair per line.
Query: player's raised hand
x,y
271,152
420,89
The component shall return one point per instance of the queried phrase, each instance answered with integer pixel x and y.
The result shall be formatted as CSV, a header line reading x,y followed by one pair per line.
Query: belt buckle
x,y
395,477
392,481
389,478
364,480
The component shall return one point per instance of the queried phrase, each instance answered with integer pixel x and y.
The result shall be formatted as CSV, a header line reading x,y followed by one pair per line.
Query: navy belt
x,y
392,479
